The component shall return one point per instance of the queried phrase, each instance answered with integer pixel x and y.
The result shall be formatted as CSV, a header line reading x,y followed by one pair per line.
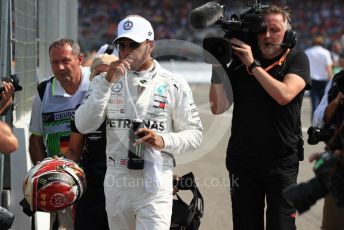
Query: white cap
x,y
135,28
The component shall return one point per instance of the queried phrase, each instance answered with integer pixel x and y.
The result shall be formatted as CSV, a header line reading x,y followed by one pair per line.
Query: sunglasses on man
x,y
131,45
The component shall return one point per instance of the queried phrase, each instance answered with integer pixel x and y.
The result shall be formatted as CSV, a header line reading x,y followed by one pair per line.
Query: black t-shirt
x,y
260,126
93,159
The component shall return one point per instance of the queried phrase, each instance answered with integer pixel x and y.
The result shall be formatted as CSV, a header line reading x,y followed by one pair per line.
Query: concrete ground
x,y
208,166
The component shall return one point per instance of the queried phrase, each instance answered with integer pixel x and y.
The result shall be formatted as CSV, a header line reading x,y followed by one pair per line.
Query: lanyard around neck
x,y
278,62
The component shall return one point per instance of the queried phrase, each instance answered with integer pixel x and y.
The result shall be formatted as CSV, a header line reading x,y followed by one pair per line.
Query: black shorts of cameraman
x,y
253,182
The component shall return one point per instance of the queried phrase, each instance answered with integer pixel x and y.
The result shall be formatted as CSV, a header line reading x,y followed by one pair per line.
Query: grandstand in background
x,y
97,19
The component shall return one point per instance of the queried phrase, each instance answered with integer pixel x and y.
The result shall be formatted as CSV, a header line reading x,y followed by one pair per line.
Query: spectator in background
x,y
97,19
320,63
53,107
90,151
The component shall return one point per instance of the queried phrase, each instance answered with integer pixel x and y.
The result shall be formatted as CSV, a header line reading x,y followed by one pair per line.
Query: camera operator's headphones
x,y
289,39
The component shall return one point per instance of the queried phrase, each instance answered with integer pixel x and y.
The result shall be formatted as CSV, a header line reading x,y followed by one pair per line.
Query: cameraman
x,y
268,89
329,108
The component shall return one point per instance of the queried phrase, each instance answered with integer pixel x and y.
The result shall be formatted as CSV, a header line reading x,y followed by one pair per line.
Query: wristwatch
x,y
254,64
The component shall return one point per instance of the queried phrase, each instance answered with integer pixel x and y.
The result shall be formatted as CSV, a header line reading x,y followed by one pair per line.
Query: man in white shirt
x,y
53,107
320,62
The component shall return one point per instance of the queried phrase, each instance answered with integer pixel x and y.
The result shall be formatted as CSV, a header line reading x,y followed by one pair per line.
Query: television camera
x,y
244,25
10,79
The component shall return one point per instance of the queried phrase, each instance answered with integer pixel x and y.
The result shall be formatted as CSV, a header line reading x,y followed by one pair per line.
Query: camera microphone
x,y
206,15
283,44
289,40
276,44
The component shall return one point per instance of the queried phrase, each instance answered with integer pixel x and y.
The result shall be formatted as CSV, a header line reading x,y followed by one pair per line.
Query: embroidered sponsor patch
x,y
126,124
123,161
117,101
161,90
159,104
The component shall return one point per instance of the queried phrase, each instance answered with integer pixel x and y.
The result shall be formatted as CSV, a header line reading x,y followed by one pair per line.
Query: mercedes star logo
x,y
128,25
117,87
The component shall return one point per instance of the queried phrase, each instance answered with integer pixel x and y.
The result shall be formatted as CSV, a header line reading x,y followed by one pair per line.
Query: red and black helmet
x,y
53,184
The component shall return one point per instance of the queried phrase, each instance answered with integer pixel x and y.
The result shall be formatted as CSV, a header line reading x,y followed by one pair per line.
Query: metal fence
x,y
27,29
36,24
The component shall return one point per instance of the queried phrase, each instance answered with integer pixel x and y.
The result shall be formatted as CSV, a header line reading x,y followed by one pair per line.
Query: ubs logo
x,y
117,87
128,25
116,101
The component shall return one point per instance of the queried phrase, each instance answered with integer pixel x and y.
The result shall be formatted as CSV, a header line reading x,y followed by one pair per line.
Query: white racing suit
x,y
165,103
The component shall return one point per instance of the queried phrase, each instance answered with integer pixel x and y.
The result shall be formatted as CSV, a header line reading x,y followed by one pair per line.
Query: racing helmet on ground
x,y
53,184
